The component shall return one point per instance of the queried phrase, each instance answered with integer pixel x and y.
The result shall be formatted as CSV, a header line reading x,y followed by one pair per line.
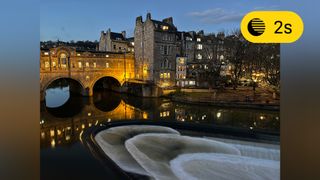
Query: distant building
x,y
181,72
115,42
155,50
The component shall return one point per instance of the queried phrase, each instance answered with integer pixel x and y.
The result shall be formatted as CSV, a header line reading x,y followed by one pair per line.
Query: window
x,y
46,64
161,75
198,39
165,75
63,60
205,66
189,39
46,53
107,55
87,64
165,28
114,46
165,51
199,56
192,82
94,65
80,64
168,74
107,65
181,60
54,64
199,46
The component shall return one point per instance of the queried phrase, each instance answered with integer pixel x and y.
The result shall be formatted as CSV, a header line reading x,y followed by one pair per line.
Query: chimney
x,y
139,19
148,16
168,20
123,34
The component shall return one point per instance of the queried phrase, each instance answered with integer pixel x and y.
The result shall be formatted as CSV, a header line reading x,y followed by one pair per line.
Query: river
x,y
65,116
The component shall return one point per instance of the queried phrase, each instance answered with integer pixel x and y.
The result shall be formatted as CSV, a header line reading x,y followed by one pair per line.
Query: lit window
x,y
199,56
94,65
46,53
199,46
80,64
54,64
165,75
161,75
107,65
205,66
46,64
198,39
192,83
107,55
78,54
87,64
181,60
165,28
132,43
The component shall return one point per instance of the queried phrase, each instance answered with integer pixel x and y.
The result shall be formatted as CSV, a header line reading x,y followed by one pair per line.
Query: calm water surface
x,y
64,117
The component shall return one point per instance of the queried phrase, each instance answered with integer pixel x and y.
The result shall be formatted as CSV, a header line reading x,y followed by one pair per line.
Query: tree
x,y
271,65
236,56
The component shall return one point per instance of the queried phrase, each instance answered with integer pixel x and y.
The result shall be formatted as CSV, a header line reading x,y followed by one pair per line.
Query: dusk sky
x,y
84,19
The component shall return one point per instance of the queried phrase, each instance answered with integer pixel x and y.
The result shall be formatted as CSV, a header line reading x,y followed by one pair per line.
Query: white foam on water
x,y
258,152
155,151
112,142
254,149
208,166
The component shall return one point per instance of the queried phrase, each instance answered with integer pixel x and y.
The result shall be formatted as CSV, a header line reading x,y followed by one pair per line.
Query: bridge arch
x,y
75,85
107,82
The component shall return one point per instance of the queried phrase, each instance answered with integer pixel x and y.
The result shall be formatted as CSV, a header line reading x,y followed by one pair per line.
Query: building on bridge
x,y
84,68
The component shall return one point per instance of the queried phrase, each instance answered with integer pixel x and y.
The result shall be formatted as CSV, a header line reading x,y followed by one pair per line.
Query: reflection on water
x,y
64,124
64,117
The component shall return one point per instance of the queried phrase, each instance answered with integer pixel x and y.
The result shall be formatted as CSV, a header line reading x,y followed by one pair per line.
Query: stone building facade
x,y
203,53
159,45
115,42
155,51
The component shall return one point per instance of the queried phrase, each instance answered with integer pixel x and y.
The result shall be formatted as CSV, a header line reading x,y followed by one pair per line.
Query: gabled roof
x,y
116,36
160,24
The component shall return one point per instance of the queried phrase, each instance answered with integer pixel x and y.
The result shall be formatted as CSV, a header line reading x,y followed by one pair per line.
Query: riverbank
x,y
243,97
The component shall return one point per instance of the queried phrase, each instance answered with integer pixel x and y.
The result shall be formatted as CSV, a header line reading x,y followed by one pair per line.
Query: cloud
x,y
216,16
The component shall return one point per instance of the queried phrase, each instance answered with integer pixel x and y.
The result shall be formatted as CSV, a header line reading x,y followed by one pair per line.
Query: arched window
x,y
63,60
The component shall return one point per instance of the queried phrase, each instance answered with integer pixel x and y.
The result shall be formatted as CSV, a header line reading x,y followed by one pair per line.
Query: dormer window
x,y
165,28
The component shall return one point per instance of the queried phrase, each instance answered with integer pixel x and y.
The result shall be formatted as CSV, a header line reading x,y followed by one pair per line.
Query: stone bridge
x,y
82,69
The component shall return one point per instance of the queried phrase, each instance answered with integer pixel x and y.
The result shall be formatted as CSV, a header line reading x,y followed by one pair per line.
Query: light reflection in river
x,y
63,125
